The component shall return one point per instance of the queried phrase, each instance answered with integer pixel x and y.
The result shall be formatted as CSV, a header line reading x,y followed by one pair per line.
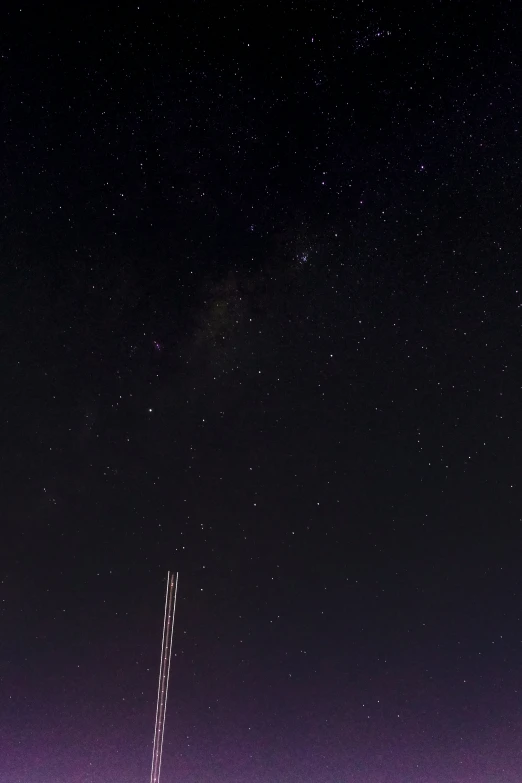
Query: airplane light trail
x,y
163,684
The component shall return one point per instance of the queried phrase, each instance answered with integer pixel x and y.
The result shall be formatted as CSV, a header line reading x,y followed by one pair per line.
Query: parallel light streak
x,y
163,683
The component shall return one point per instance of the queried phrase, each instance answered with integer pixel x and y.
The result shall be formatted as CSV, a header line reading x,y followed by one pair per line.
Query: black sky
x,y
260,323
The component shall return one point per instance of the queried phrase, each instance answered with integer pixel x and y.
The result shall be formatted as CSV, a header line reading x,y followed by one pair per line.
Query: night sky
x,y
260,318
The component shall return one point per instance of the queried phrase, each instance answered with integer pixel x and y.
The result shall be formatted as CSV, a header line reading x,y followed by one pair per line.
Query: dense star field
x,y
260,306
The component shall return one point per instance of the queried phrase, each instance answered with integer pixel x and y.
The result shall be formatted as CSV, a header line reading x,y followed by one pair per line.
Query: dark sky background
x,y
260,322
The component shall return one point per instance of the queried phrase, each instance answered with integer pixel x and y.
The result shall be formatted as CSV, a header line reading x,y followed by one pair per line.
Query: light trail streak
x,y
164,674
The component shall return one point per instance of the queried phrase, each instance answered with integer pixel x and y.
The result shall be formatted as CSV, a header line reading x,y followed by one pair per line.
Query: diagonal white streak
x,y
163,683
168,676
